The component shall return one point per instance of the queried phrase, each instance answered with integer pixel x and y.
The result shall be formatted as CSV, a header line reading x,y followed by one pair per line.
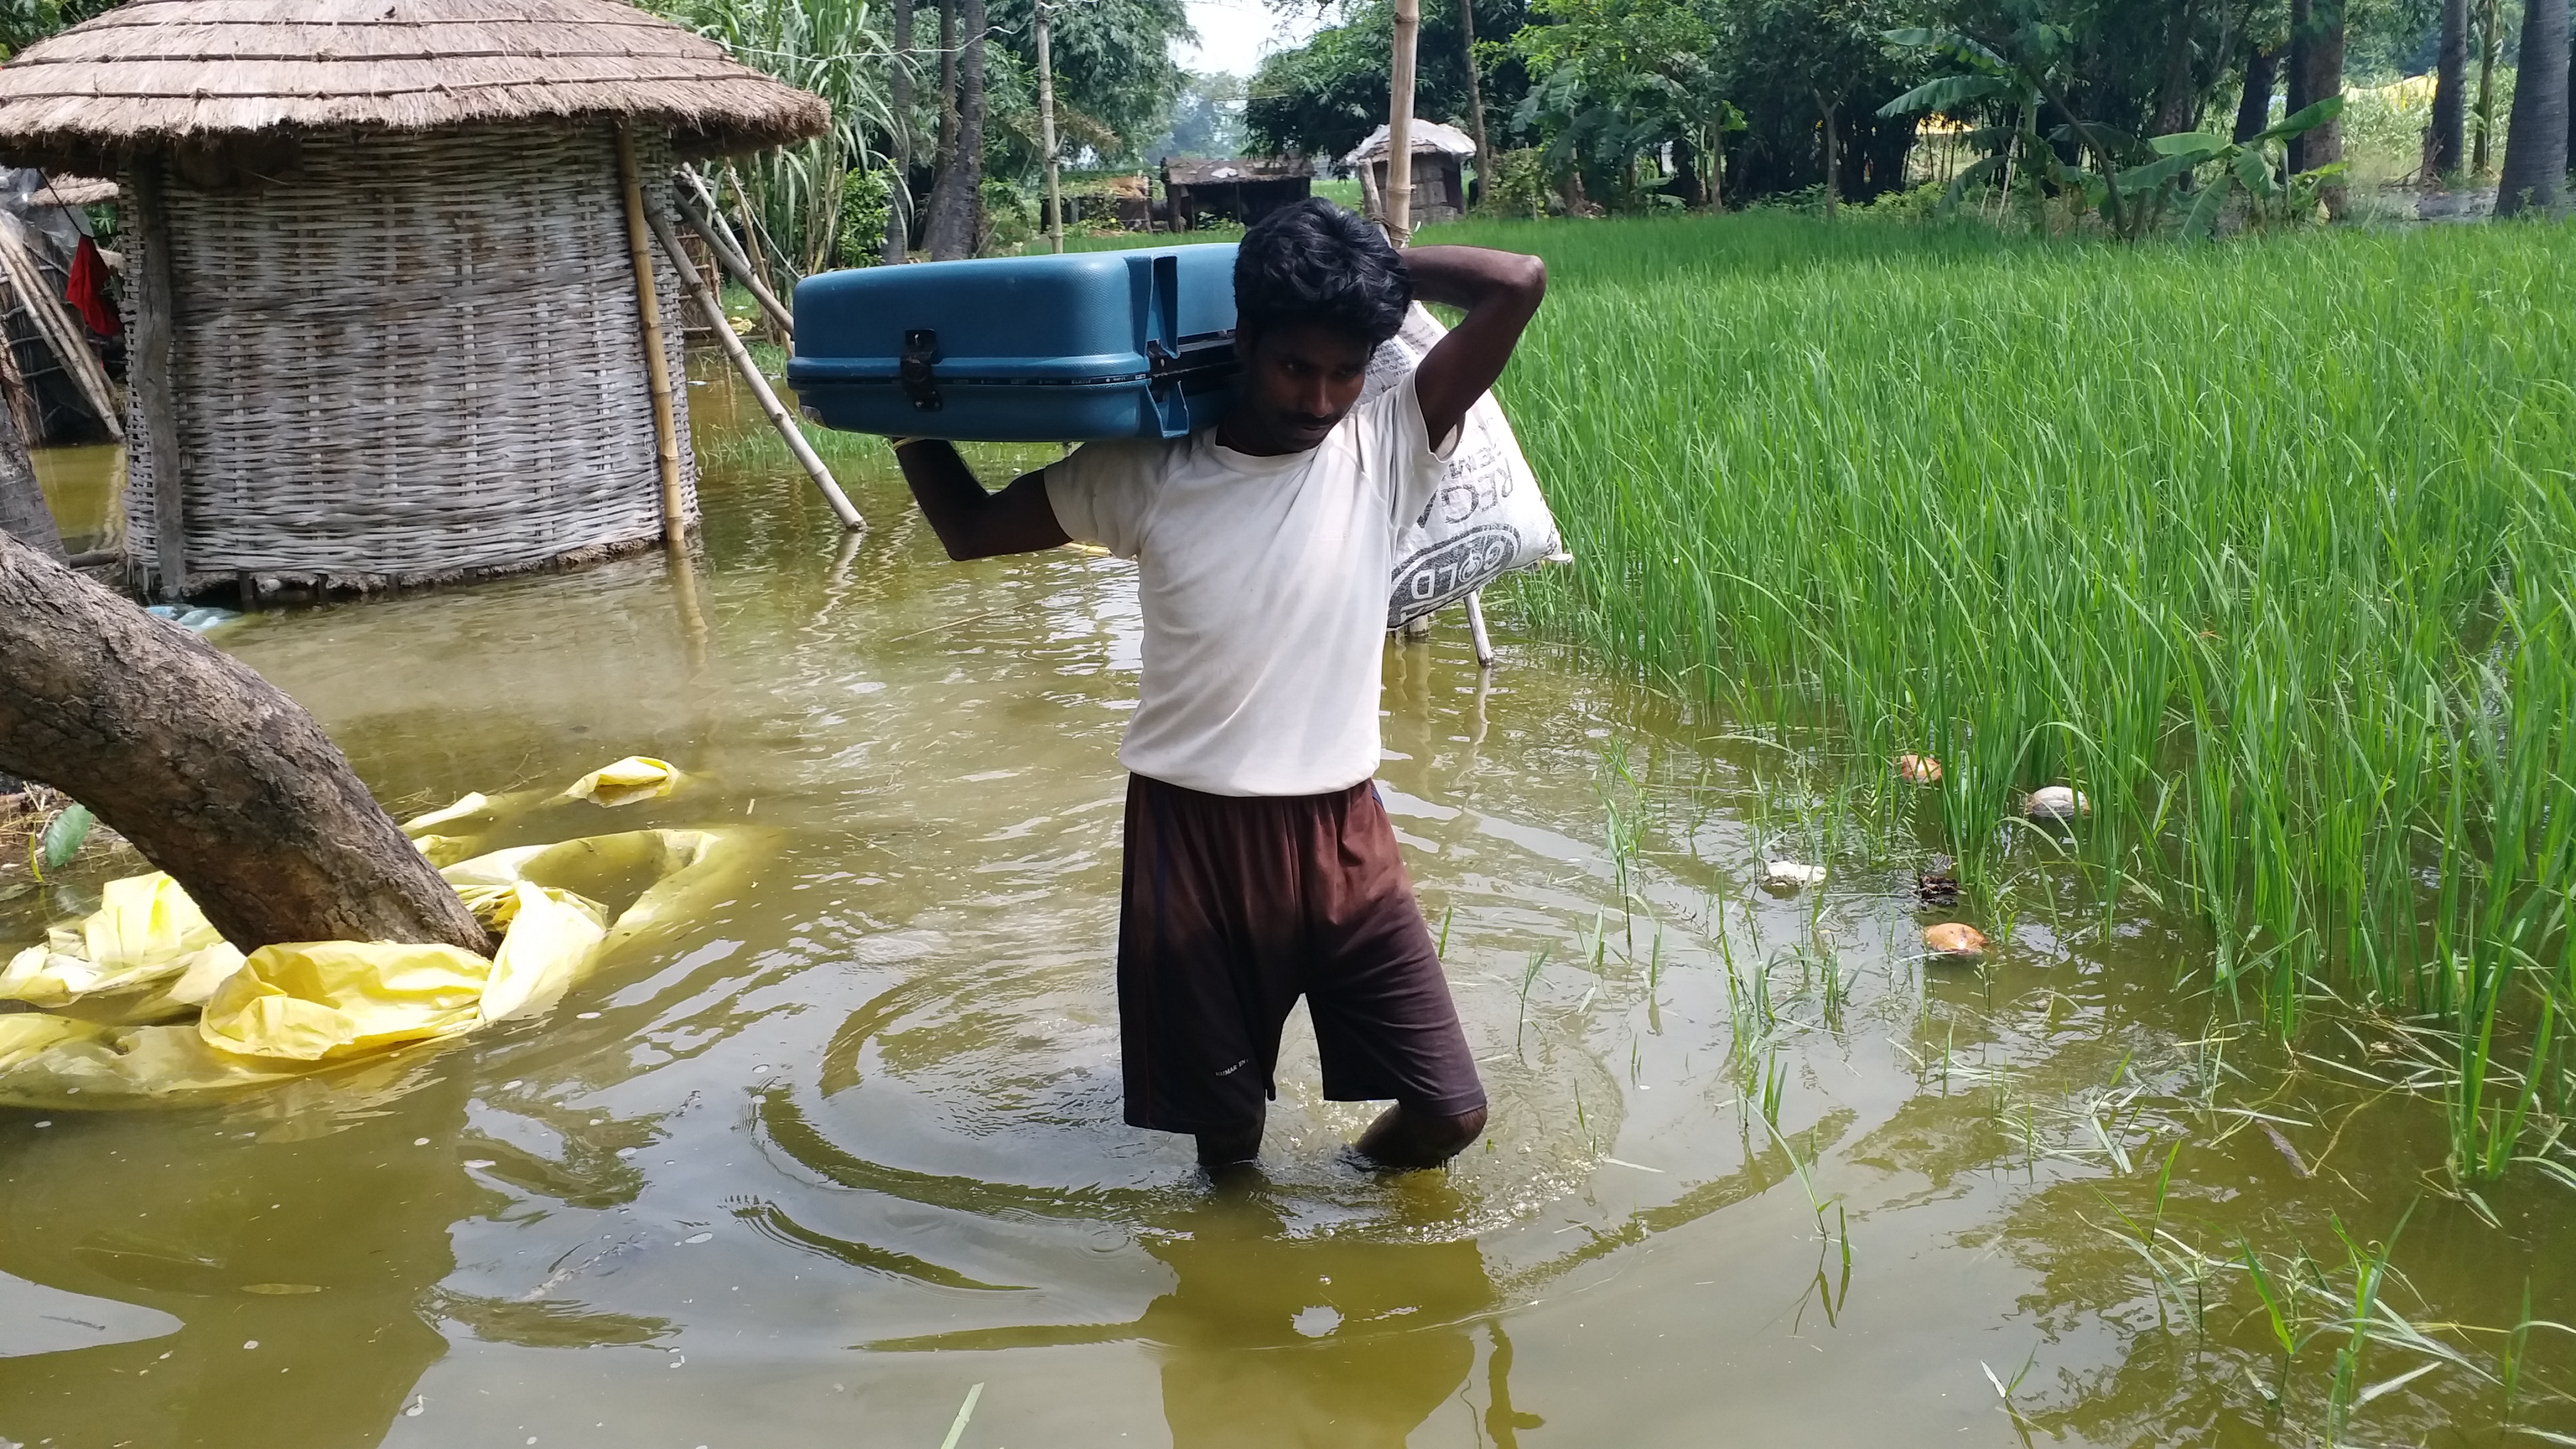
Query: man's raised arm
x,y
970,522
1501,292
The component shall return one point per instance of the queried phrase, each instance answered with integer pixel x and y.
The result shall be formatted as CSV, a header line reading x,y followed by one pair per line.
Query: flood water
x,y
847,1154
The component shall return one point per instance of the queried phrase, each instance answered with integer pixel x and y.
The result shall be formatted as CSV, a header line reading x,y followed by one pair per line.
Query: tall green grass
x,y
2265,547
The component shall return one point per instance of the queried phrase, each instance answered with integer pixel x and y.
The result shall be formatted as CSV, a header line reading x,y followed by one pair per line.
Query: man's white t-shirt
x,y
1263,584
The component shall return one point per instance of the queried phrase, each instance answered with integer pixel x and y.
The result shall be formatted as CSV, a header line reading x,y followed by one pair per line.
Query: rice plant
x,y
2267,548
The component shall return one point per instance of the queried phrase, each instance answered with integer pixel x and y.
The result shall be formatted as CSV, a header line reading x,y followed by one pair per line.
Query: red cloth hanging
x,y
87,291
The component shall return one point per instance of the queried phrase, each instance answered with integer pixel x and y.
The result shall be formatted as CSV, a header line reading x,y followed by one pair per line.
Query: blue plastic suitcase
x,y
1021,349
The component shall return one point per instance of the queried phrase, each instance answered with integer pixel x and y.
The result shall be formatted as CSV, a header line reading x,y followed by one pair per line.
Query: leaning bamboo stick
x,y
657,363
156,396
710,224
779,417
1476,629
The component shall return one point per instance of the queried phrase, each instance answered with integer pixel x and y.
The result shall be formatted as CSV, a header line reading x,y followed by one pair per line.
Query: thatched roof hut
x,y
386,317
1439,188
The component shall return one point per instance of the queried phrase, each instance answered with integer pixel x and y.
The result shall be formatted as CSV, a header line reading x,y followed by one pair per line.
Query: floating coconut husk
x,y
1918,769
1954,940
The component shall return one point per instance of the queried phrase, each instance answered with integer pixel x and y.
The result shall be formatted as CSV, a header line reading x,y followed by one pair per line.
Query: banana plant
x,y
2252,167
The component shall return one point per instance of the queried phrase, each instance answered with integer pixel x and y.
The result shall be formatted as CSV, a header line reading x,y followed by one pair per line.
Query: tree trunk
x,y
2254,109
1476,102
943,155
2482,150
2535,148
2176,98
2324,145
1686,176
898,233
956,197
1833,155
211,771
2294,79
2446,147
23,514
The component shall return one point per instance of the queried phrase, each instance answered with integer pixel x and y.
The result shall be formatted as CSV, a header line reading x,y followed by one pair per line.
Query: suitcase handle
x,y
920,350
1163,346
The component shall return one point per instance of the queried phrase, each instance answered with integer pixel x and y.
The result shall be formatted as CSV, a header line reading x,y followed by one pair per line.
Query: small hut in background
x,y
1439,185
384,301
1241,189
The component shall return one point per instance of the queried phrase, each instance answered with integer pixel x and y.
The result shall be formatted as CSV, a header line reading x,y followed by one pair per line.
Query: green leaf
x,y
2306,120
63,837
1943,94
2255,170
2188,143
2206,209
2157,172
1969,176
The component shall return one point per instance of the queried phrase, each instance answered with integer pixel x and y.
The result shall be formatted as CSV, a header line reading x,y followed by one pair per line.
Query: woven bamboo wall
x,y
417,357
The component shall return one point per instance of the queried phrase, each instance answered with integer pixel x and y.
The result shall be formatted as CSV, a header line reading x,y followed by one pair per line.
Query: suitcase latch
x,y
920,350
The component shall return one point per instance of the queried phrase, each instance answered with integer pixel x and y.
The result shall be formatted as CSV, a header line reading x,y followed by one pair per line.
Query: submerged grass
x,y
2266,548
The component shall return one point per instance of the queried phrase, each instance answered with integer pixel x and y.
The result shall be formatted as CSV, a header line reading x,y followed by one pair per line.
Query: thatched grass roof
x,y
1429,137
203,72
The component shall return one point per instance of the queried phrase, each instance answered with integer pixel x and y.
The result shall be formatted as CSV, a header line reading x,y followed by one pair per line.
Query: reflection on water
x,y
848,1144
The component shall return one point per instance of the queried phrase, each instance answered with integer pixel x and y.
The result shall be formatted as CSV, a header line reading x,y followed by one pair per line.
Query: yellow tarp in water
x,y
637,777
147,957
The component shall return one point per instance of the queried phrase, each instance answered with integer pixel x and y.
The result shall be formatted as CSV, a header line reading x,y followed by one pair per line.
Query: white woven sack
x,y
1487,517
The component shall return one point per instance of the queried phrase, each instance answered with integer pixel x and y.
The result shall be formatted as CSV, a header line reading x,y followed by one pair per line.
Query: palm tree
x,y
2446,150
956,197
2535,145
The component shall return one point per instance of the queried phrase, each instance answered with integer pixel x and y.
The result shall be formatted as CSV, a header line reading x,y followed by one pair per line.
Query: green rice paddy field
x,y
2264,547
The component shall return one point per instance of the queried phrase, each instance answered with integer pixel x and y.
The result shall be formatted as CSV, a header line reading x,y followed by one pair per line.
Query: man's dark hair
x,y
1311,261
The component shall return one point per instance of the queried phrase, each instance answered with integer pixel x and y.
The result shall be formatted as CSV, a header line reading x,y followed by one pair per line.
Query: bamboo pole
x,y
1046,133
1476,629
740,356
708,222
1399,125
155,348
657,362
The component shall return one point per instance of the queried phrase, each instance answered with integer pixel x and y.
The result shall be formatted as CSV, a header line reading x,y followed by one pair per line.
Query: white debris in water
x,y
1791,873
697,1237
1317,1321
2057,802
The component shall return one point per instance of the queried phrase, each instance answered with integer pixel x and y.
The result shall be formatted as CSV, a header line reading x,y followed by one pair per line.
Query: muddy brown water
x,y
848,1154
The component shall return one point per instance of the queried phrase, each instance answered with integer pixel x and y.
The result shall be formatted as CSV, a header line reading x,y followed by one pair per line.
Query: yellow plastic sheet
x,y
148,956
637,777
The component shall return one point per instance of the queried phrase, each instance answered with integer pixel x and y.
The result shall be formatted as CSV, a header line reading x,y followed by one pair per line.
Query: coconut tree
x,y
2535,146
2446,149
956,197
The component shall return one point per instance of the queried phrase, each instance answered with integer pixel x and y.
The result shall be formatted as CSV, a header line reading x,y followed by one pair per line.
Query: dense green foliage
x,y
2267,549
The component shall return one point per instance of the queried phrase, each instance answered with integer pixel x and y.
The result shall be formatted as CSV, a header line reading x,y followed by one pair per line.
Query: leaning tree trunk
x,y
898,232
211,771
2254,107
2446,148
23,514
1476,103
2535,140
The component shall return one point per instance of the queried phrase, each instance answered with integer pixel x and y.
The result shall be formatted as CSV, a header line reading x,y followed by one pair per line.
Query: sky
x,y
1234,34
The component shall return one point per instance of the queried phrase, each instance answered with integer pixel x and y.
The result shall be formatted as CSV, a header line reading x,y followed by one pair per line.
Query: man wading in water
x,y
1260,866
